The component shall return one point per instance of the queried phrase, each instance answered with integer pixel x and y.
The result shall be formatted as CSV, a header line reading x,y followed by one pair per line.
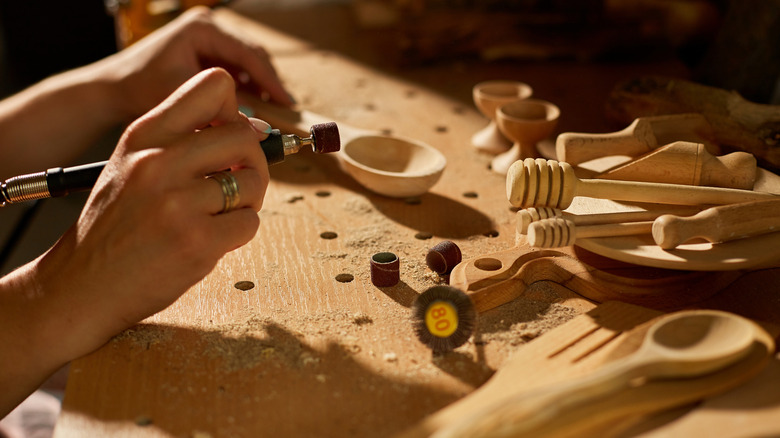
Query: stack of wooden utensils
x,y
715,197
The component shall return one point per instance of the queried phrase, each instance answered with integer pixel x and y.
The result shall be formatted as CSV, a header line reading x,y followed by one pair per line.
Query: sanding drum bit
x,y
324,138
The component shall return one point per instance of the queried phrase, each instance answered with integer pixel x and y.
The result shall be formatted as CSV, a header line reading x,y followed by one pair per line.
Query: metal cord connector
x,y
25,188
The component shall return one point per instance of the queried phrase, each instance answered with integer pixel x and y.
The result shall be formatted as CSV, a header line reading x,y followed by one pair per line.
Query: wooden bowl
x,y
392,166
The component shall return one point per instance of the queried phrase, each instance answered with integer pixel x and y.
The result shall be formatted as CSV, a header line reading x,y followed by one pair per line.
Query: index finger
x,y
208,98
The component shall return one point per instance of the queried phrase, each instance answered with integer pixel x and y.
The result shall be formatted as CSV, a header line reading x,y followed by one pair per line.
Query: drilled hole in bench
x,y
244,285
423,235
345,278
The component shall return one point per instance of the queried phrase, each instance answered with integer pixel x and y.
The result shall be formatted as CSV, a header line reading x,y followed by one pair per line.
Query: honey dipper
x,y
549,183
527,216
557,232
718,224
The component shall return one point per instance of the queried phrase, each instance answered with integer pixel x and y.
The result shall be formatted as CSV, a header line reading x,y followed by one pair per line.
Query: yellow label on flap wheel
x,y
441,319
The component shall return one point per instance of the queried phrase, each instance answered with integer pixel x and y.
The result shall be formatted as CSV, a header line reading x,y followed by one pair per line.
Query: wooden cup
x,y
526,122
488,96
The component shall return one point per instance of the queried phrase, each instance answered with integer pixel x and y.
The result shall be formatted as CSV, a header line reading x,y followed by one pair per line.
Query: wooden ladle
x,y
388,165
685,344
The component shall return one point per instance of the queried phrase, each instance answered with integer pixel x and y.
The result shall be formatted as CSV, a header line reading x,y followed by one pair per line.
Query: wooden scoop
x,y
684,162
719,224
682,345
548,183
391,166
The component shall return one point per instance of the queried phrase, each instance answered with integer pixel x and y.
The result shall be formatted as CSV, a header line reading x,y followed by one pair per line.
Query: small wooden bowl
x,y
392,166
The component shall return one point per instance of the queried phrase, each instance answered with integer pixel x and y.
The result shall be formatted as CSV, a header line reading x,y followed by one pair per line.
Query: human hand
x,y
152,68
152,226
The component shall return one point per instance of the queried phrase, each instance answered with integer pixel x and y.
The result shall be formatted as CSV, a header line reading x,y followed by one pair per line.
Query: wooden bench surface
x,y
300,353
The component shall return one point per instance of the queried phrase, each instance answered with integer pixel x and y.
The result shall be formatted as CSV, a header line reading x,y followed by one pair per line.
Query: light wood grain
x,y
575,350
488,97
689,163
643,135
694,255
547,183
392,166
527,216
720,224
558,232
681,346
496,278
526,122
302,354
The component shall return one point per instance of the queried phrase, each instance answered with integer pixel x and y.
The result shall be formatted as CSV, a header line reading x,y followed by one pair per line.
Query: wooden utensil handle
x,y
634,140
526,217
549,183
719,224
527,412
735,122
666,193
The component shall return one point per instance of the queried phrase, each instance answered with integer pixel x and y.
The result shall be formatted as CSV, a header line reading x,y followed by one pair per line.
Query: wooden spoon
x,y
391,166
686,344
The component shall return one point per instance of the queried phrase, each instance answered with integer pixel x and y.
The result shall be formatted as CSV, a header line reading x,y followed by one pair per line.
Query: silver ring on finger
x,y
229,187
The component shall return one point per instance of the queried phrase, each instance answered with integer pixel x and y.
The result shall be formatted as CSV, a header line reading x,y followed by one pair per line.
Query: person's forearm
x,y
50,315
52,122
25,362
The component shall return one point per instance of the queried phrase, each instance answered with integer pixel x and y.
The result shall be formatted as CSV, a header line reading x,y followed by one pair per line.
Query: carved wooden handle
x,y
719,224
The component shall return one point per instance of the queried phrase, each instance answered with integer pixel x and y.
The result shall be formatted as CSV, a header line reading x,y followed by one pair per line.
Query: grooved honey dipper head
x,y
325,137
551,233
540,183
528,216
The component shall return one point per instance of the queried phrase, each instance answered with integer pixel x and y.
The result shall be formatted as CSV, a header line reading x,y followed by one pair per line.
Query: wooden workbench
x,y
301,353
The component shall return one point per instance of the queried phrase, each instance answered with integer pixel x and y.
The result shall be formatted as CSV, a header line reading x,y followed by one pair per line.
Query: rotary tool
x,y
56,182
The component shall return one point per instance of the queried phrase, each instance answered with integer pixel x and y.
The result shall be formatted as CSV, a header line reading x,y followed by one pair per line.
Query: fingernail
x,y
247,111
260,125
